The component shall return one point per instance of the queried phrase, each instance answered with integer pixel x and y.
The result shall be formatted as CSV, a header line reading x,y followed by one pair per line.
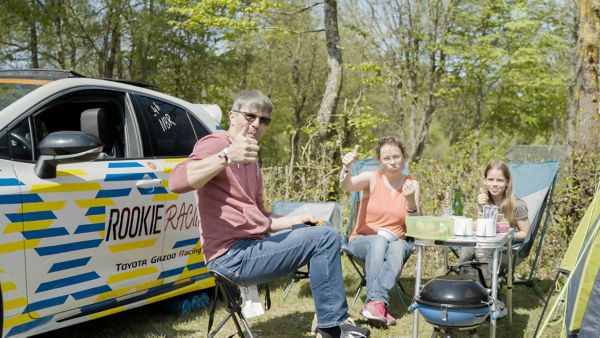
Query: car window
x,y
21,141
170,128
98,112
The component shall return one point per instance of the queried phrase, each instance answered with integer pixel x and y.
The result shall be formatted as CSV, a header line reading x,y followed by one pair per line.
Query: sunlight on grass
x,y
292,317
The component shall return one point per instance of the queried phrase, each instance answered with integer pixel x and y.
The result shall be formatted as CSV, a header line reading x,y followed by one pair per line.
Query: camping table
x,y
497,243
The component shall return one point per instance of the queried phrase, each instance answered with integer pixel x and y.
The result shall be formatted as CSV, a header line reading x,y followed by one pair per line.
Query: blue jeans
x,y
249,262
383,263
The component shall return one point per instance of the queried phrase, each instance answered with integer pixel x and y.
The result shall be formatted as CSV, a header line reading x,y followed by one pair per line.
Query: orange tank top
x,y
380,209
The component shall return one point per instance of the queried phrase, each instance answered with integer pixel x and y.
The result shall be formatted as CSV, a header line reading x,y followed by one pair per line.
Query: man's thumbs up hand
x,y
243,149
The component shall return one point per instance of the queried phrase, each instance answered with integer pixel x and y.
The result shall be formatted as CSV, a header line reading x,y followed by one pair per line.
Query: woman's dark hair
x,y
391,141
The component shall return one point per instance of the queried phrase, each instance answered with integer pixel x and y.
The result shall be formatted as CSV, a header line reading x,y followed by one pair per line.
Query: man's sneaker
x,y
374,310
389,319
345,330
350,330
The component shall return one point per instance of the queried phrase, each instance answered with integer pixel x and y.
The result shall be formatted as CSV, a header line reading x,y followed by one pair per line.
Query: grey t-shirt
x,y
521,212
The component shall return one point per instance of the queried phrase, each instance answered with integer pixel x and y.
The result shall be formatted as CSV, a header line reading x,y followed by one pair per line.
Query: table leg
x,y
494,292
417,290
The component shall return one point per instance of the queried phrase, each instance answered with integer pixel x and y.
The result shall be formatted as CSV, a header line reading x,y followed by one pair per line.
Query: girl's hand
x,y
482,198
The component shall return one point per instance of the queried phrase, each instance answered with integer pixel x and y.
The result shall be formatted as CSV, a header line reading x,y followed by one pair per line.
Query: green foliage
x,y
216,14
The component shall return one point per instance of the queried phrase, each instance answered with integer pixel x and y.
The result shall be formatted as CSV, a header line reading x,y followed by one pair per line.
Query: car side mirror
x,y
65,147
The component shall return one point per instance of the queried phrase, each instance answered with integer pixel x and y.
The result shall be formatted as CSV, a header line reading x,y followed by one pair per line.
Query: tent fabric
x,y
582,287
590,325
584,271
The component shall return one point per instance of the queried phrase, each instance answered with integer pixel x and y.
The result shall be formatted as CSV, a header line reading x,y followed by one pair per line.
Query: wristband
x,y
223,155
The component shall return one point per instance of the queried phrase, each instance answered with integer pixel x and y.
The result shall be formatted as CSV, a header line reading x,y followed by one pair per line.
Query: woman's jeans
x,y
383,263
250,262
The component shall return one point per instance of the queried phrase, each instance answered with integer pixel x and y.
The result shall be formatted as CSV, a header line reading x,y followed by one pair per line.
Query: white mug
x,y
463,226
490,229
483,224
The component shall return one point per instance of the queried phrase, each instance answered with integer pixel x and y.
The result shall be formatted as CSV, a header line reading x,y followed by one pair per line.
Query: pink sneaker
x,y
374,310
389,319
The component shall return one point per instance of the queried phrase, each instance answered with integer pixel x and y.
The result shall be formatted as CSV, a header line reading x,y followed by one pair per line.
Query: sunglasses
x,y
251,117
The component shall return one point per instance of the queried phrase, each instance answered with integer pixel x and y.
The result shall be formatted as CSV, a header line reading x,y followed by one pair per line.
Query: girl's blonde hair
x,y
509,200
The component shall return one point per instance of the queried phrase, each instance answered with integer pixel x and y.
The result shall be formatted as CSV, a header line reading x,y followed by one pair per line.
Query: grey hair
x,y
252,99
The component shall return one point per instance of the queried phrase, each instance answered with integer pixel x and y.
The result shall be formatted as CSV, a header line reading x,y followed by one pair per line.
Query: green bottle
x,y
457,204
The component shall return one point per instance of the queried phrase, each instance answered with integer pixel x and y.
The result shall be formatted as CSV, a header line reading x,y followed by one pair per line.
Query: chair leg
x,y
399,290
357,293
288,287
234,311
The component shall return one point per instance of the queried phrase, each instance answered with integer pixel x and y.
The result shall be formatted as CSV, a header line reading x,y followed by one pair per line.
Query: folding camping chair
x,y
233,301
534,183
330,211
368,164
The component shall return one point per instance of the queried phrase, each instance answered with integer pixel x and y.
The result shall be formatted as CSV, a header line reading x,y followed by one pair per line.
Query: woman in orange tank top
x,y
388,197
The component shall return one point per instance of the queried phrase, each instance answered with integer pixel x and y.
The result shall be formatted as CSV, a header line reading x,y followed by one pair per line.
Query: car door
x,y
92,233
170,134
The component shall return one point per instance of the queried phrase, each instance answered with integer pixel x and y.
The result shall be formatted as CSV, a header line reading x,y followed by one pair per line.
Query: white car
x,y
88,227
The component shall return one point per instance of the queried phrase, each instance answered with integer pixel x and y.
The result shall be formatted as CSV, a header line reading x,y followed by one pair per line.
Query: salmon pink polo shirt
x,y
230,205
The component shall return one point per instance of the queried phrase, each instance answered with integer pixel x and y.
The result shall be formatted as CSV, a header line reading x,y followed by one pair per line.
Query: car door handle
x,y
151,183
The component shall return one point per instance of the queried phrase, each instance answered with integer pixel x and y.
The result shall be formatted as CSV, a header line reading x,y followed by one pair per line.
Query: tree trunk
x,y
583,110
335,67
33,40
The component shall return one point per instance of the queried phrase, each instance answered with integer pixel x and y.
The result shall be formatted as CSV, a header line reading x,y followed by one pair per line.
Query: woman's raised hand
x,y
409,188
350,157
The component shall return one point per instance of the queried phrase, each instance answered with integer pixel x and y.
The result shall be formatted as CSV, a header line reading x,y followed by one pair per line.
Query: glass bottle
x,y
457,203
446,204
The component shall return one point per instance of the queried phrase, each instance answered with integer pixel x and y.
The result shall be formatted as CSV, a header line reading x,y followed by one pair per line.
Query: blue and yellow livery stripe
x,y
65,187
67,281
70,264
128,177
31,216
96,211
8,286
171,272
185,242
36,225
95,202
125,165
165,197
91,292
62,248
71,172
196,266
114,294
8,182
132,246
42,206
38,234
46,303
27,325
18,199
19,245
119,277
91,227
16,303
113,193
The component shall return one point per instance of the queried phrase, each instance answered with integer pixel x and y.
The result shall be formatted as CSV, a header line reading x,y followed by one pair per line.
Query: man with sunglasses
x,y
240,239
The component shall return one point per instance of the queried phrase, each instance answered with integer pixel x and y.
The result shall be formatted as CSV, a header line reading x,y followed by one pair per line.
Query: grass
x,y
292,317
